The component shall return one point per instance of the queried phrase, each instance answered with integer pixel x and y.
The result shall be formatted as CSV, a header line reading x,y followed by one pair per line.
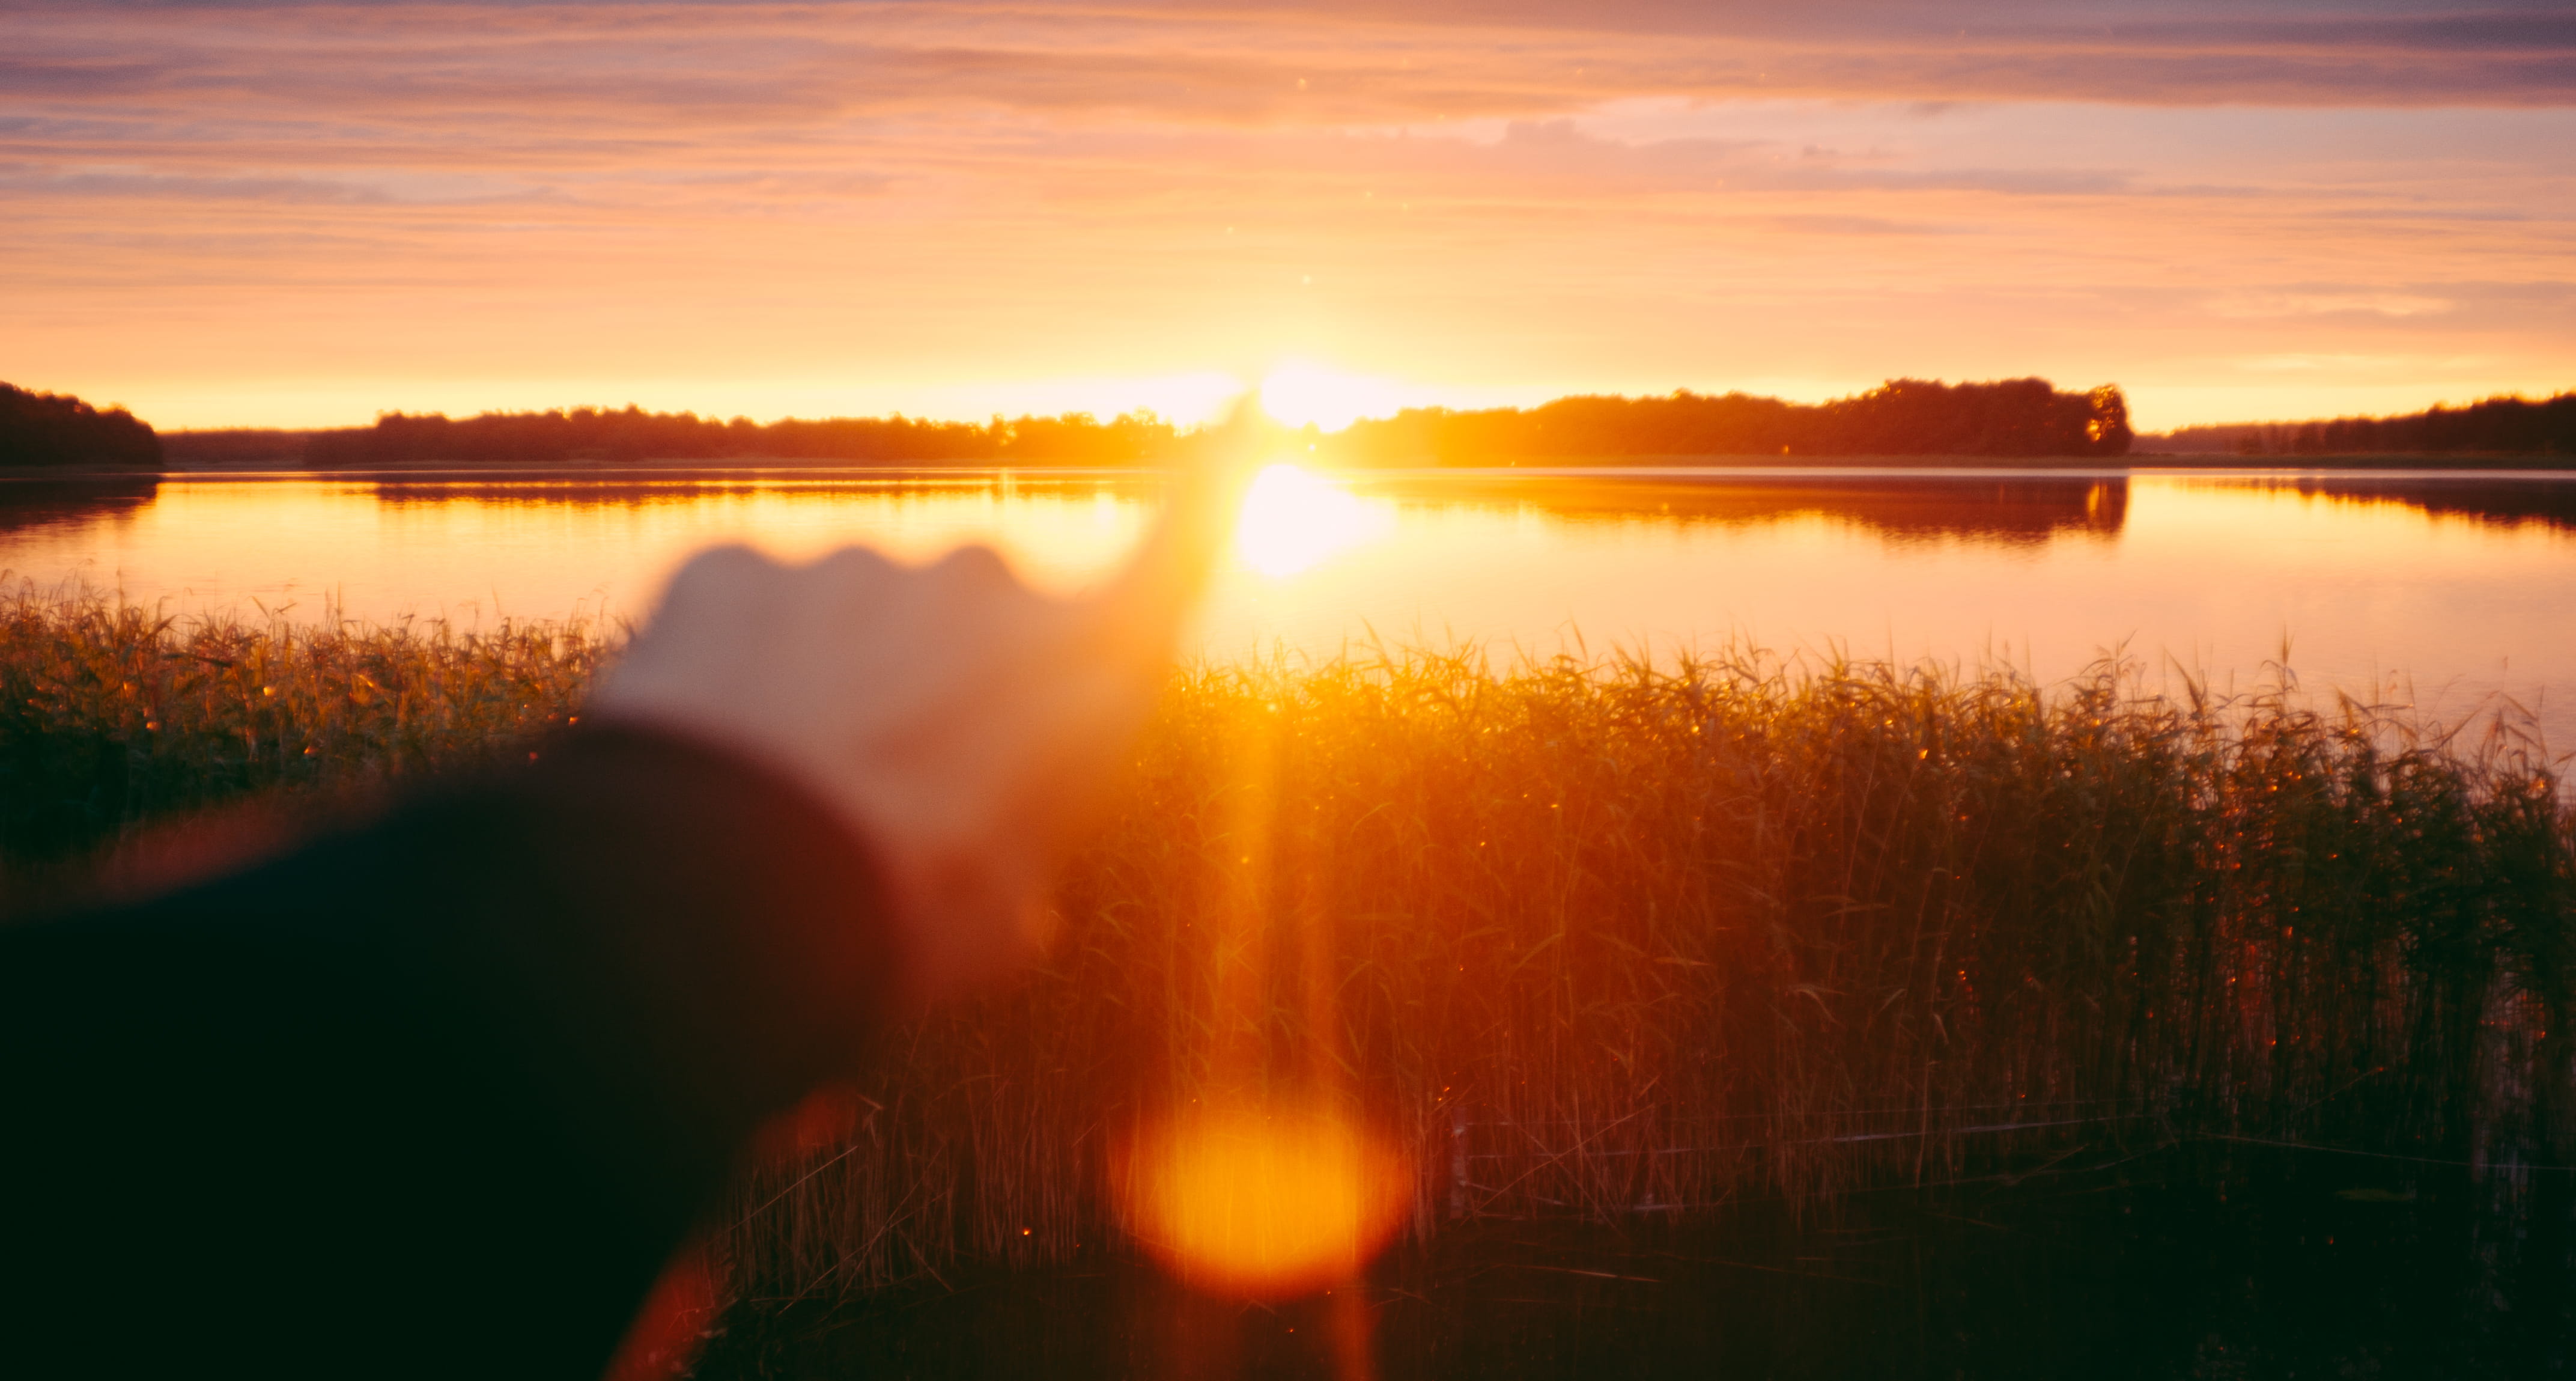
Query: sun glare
x,y
1293,519
1263,1204
1302,393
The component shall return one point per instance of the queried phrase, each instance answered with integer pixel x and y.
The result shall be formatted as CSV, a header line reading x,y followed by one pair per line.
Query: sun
x,y
1293,518
1303,393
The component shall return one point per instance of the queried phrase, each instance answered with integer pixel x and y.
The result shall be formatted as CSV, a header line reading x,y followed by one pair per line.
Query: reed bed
x,y
1593,939
1609,940
116,720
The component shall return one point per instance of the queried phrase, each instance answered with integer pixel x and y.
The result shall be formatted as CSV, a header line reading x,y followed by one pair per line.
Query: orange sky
x,y
302,215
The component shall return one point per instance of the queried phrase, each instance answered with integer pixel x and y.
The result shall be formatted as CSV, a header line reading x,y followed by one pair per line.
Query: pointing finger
x,y
1142,607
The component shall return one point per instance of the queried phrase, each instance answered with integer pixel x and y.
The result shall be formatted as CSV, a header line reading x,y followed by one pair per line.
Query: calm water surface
x,y
2185,1263
2448,593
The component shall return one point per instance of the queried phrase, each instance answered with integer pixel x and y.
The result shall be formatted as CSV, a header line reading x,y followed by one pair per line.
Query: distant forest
x,y
2016,417
594,434
2022,419
1903,417
2501,426
57,429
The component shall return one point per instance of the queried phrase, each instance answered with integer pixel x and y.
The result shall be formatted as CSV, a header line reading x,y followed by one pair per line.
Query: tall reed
x,y
1599,939
115,718
1613,939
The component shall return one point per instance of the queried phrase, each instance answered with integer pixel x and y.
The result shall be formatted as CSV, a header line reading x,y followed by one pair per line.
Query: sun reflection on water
x,y
1293,519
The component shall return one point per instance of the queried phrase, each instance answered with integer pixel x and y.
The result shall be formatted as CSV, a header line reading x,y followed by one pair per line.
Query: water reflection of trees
x,y
29,505
2551,502
686,488
2014,510
2011,509
2018,508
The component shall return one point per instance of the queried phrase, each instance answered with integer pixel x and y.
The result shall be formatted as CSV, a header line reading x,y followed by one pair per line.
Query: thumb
x,y
1141,609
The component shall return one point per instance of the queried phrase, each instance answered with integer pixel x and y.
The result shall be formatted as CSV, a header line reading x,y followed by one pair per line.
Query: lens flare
x,y
1263,1204
1302,393
1293,519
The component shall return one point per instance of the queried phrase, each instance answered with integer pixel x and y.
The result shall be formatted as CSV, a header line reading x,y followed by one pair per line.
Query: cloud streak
x,y
1285,66
216,210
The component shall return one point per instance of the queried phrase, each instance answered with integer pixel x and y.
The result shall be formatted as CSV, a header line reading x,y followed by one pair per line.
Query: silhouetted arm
x,y
437,1097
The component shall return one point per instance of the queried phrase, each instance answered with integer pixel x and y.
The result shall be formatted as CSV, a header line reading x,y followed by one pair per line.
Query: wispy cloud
x,y
910,197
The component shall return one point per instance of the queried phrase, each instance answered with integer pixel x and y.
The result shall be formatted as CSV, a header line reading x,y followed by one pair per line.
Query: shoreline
x,y
2390,466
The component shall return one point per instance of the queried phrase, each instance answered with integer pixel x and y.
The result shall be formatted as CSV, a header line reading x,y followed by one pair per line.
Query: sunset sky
x,y
301,215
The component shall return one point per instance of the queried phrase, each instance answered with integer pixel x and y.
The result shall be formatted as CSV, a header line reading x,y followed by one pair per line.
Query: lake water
x,y
2453,593
2185,1262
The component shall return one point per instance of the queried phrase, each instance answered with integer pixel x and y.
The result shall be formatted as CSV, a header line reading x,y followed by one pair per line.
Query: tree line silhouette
x,y
632,434
2009,418
1902,417
58,429
2502,426
2014,417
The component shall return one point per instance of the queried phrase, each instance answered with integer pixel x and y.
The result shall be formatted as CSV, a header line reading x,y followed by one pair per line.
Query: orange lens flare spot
x,y
1263,1204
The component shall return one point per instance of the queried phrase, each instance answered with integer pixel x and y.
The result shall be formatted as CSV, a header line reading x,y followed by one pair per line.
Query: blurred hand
x,y
959,720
